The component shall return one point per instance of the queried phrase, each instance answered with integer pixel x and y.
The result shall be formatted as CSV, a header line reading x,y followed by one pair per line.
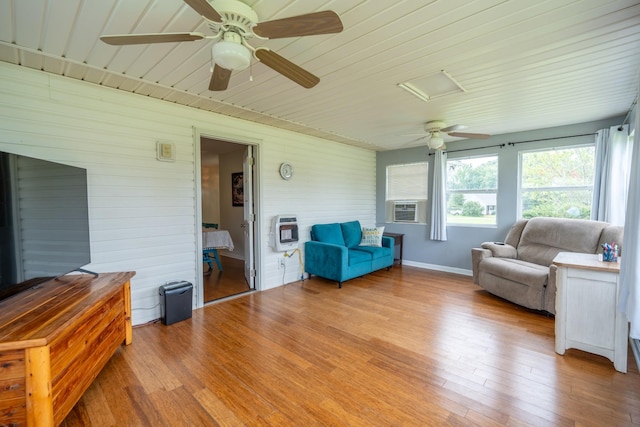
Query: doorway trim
x,y
198,134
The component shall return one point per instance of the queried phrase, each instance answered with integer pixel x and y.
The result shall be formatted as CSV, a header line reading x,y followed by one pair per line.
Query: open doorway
x,y
227,202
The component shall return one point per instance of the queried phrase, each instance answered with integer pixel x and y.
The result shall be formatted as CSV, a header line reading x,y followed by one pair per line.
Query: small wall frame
x,y
237,189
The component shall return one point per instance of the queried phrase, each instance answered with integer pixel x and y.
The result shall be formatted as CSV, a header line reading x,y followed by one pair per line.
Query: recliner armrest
x,y
477,255
500,250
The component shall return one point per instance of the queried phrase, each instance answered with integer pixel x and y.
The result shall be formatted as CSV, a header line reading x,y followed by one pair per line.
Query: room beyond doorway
x,y
221,284
226,184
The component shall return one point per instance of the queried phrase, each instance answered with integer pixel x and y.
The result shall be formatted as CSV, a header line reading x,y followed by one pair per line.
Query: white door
x,y
249,217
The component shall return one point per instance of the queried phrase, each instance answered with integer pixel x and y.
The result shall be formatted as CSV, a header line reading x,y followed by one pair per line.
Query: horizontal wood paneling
x,y
142,211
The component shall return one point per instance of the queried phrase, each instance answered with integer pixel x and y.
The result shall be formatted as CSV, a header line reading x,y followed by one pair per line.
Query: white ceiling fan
x,y
234,23
436,129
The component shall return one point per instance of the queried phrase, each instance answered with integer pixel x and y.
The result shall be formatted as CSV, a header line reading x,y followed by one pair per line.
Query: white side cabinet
x,y
586,307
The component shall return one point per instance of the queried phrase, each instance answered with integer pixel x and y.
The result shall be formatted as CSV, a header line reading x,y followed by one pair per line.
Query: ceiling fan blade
x,y
286,68
325,22
421,138
452,128
219,78
126,39
204,8
469,135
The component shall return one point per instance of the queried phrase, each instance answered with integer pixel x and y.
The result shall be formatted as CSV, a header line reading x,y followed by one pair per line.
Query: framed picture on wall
x,y
237,189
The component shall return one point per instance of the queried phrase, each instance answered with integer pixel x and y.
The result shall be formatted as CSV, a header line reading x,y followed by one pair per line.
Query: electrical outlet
x,y
280,263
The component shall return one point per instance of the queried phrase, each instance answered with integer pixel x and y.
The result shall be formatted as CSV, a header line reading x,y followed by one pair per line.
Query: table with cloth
x,y
212,240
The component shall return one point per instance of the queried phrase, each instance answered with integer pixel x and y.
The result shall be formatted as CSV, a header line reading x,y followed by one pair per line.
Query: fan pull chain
x,y
211,67
250,71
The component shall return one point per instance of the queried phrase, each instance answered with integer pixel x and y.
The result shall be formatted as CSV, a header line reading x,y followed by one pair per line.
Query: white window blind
x,y
407,181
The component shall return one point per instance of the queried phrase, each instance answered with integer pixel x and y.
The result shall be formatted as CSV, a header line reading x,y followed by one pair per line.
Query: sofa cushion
x,y
357,257
543,238
374,251
516,270
327,233
351,233
372,236
514,234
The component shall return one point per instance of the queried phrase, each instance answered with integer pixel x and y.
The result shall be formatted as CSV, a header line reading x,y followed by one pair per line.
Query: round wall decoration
x,y
286,171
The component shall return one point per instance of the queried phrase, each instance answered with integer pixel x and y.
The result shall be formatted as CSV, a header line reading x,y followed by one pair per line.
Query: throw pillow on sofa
x,y
372,236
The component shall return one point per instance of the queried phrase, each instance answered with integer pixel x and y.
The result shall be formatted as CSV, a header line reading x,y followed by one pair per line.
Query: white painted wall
x,y
210,183
231,217
142,211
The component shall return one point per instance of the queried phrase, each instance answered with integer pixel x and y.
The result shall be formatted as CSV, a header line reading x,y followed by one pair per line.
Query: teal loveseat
x,y
335,252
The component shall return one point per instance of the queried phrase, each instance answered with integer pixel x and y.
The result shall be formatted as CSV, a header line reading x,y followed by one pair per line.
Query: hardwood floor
x,y
220,284
402,347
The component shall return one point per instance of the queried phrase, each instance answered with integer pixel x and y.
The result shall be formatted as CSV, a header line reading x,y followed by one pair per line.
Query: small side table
x,y
587,317
399,240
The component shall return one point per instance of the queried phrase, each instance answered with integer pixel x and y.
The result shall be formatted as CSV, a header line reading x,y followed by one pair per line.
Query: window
x,y
407,187
557,183
472,189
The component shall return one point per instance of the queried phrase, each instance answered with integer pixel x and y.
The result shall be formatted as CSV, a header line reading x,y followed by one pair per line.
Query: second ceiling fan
x,y
234,23
436,129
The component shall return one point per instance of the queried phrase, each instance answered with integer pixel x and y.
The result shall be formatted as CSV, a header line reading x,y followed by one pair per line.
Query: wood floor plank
x,y
221,284
402,347
217,408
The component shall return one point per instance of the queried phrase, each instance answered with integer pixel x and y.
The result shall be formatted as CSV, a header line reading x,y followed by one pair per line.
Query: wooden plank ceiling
x,y
524,65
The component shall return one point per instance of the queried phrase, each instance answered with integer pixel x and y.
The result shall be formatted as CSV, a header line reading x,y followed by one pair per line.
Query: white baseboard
x,y
461,271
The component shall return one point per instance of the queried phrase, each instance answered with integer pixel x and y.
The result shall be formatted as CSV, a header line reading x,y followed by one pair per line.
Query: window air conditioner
x,y
405,211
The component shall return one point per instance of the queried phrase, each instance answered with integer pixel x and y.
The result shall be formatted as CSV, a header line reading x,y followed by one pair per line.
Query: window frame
x,y
422,202
494,224
521,191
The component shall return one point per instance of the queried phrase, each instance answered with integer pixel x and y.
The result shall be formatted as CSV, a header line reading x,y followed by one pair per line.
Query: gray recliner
x,y
520,270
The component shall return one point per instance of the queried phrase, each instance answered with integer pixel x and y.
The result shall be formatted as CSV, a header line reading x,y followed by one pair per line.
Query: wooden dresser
x,y
55,339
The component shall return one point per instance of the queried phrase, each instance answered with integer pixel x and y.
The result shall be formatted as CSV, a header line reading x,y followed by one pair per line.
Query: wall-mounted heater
x,y
285,233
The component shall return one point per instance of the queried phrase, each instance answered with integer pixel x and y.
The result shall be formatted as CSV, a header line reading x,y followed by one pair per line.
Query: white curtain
x,y
630,261
600,180
613,162
439,198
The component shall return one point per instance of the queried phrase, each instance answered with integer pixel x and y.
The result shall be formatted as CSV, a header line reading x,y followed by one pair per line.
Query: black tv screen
x,y
44,221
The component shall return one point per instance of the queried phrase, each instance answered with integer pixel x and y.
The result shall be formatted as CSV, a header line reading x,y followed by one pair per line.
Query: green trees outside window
x,y
557,183
472,187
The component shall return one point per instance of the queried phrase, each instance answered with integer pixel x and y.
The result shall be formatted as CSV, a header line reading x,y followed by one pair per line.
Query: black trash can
x,y
176,301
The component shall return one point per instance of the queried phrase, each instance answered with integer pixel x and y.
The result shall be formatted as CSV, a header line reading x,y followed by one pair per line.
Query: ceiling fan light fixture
x,y
435,141
231,54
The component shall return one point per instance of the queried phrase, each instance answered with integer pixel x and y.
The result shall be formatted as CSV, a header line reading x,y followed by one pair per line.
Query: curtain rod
x,y
515,143
549,139
467,149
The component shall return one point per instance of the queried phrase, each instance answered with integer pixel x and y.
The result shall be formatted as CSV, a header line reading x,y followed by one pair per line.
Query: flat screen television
x,y
44,221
